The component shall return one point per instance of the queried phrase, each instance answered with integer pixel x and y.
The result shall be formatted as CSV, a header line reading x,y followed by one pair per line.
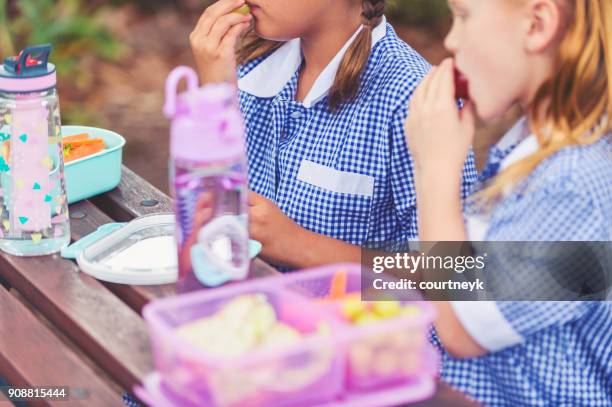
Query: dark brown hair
x,y
347,83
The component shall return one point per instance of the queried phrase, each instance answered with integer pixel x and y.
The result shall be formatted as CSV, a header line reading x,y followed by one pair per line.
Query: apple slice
x,y
461,86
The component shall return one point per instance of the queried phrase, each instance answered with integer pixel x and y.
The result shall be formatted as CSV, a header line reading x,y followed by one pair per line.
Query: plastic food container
x,y
399,365
307,373
382,353
155,393
142,252
95,174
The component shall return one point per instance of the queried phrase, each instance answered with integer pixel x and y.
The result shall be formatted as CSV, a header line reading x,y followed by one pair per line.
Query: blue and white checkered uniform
x,y
347,175
542,353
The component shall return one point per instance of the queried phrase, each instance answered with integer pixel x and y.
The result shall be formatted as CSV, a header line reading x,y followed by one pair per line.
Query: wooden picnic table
x,y
61,327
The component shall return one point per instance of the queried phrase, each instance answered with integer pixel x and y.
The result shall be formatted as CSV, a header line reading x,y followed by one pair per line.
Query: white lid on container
x,y
143,252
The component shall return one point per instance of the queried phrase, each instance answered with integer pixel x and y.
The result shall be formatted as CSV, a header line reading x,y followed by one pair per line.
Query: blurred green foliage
x,y
74,29
77,33
72,26
419,12
6,43
67,24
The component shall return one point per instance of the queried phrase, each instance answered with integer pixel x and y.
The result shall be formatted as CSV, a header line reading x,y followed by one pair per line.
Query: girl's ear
x,y
543,24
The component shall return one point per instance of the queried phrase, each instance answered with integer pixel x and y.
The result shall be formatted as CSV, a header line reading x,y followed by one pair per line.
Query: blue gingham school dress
x,y
541,353
348,174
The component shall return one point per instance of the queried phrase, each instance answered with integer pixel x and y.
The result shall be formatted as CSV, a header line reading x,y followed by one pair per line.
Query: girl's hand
x,y
285,243
278,233
214,39
439,135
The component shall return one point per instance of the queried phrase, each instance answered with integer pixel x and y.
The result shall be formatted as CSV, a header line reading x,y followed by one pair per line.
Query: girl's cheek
x,y
482,84
490,95
267,4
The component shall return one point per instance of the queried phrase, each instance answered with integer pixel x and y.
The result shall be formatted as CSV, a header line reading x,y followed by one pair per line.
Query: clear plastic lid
x,y
143,252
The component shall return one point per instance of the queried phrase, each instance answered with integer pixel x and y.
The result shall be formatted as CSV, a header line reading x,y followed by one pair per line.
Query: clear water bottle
x,y
33,206
208,178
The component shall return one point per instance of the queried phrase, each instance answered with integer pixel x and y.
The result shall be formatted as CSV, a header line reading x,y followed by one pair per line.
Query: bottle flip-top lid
x,y
206,122
30,71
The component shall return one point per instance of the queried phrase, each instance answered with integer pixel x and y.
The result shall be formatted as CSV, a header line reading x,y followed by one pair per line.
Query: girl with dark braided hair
x,y
324,87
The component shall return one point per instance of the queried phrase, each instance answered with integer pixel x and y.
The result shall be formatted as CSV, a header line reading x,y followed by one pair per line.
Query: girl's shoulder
x,y
567,197
574,177
392,51
395,69
588,165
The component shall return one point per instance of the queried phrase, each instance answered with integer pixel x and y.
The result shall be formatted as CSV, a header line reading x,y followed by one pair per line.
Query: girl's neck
x,y
541,69
321,44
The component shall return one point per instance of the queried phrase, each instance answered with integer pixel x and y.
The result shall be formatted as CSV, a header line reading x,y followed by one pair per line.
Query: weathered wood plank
x,y
85,311
132,198
31,355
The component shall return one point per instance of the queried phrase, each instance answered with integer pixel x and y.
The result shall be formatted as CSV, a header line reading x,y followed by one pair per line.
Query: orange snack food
x,y
75,147
76,137
337,289
80,146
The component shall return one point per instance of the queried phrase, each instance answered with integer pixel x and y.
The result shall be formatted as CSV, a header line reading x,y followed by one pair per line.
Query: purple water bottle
x,y
208,179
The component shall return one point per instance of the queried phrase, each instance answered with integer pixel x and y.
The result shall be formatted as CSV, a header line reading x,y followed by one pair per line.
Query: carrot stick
x,y
338,285
76,137
75,144
83,151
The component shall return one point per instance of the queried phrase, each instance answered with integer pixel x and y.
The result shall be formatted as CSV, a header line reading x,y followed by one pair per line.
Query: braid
x,y
348,78
373,11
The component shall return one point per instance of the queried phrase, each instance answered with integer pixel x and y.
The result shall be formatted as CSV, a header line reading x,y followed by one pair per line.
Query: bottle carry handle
x,y
176,76
31,61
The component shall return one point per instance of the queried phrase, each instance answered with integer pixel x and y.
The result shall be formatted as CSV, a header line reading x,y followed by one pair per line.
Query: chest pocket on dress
x,y
332,202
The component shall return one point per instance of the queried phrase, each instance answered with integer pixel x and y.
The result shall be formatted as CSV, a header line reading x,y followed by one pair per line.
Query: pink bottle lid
x,y
206,123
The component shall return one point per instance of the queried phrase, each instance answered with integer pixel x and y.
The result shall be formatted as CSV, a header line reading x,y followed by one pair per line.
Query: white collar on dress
x,y
268,78
478,223
520,135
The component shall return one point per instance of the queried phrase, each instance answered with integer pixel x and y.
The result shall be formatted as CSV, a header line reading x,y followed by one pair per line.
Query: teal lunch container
x,y
97,173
